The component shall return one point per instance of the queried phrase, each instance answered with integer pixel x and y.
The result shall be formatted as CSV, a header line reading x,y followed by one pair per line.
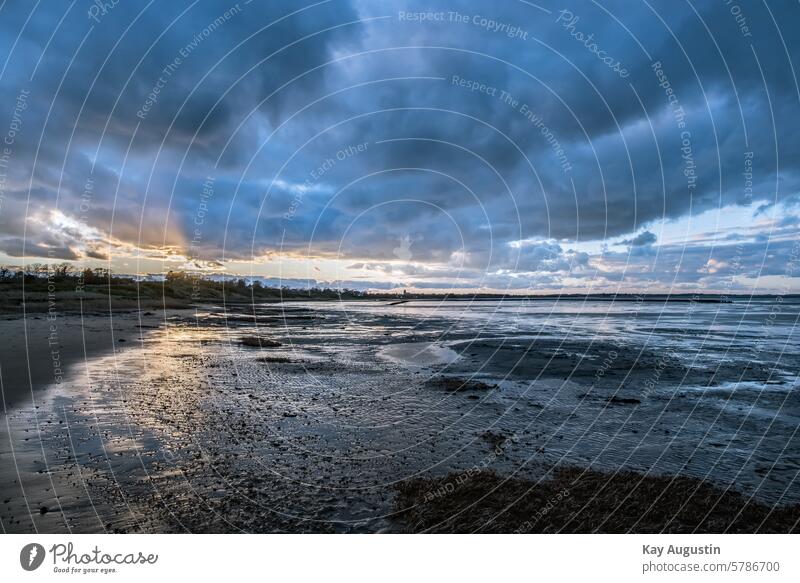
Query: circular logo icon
x,y
31,556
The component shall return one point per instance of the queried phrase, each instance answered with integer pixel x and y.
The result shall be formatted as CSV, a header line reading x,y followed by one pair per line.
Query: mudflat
x,y
367,417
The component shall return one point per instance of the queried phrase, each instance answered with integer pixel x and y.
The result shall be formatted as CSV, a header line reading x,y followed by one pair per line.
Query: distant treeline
x,y
184,286
63,277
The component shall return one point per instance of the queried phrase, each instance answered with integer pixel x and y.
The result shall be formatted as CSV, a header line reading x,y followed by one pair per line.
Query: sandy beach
x,y
365,417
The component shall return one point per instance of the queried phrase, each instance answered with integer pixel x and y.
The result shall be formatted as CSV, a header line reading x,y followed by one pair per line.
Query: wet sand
x,y
337,415
40,350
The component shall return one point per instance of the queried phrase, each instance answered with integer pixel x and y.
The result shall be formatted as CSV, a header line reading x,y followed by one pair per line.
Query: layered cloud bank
x,y
513,145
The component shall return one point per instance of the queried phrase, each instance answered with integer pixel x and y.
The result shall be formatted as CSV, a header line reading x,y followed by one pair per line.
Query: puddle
x,y
420,353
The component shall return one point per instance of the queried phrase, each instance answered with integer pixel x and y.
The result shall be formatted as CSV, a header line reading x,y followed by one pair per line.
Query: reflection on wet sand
x,y
196,431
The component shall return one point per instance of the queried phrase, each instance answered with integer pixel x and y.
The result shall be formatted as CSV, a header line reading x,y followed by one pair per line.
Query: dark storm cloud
x,y
347,127
640,240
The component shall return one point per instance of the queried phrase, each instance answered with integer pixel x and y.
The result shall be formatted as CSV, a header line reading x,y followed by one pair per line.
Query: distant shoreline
x,y
64,291
588,298
99,303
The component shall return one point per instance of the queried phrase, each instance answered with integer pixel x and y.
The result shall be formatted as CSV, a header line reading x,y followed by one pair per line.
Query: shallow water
x,y
419,354
189,430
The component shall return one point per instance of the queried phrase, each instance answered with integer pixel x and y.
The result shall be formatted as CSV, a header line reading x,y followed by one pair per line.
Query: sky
x,y
516,146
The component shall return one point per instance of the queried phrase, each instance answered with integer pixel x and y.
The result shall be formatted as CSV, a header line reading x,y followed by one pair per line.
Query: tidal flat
x,y
368,417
